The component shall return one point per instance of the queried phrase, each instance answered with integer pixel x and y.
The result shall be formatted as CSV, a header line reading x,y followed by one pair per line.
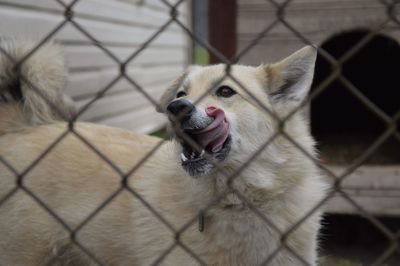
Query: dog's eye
x,y
181,94
225,91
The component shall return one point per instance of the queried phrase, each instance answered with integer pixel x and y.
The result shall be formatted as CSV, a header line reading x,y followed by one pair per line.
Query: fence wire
x,y
337,179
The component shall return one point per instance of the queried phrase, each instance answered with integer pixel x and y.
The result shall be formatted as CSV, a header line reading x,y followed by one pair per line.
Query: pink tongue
x,y
215,134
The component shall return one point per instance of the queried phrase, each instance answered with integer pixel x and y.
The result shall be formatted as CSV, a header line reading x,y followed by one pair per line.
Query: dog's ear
x,y
291,78
170,94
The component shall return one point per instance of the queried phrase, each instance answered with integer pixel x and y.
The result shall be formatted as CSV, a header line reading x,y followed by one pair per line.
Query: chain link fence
x,y
391,123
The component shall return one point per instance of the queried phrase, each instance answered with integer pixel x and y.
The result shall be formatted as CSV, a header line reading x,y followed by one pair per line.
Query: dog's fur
x,y
281,183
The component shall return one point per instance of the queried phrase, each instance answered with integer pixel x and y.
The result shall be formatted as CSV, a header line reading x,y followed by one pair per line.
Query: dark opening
x,y
354,240
343,126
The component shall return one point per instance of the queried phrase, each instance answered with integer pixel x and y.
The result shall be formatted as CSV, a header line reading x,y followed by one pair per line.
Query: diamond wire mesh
x,y
336,74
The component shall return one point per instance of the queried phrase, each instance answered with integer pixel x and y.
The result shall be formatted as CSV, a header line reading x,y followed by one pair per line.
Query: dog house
x,y
347,127
344,126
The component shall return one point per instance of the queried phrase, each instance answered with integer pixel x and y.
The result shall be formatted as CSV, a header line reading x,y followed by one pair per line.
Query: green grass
x,y
161,133
333,261
201,56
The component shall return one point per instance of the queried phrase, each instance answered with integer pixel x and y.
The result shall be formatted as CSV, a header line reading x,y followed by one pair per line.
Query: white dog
x,y
251,215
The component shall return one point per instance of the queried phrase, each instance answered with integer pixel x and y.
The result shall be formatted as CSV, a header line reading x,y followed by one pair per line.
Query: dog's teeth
x,y
202,153
183,157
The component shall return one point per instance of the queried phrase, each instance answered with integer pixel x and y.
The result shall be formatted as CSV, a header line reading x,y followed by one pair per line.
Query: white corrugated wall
x,y
122,26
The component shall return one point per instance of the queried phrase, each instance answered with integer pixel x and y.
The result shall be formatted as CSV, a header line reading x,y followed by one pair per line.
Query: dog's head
x,y
223,119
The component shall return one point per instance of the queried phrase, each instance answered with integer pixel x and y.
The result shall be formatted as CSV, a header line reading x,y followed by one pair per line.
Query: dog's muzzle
x,y
203,134
180,110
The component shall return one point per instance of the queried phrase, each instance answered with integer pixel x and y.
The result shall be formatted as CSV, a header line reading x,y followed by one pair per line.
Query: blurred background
x,y
354,108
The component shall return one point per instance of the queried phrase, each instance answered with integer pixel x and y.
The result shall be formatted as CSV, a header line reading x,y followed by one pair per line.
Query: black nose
x,y
181,109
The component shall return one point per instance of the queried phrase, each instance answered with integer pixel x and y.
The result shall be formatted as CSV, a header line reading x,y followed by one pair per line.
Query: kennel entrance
x,y
345,127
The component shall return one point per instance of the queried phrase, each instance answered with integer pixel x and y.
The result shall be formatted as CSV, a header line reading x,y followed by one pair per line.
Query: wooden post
x,y
222,17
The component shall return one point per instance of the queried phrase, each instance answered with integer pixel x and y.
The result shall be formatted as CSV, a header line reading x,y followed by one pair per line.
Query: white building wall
x,y
122,26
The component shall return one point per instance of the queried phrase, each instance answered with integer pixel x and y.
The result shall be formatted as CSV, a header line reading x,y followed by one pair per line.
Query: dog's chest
x,y
238,239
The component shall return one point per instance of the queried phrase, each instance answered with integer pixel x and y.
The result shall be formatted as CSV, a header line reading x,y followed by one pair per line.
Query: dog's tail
x,y
31,85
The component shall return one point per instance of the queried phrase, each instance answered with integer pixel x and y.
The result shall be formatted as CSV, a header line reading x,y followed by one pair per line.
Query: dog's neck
x,y
233,187
232,202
